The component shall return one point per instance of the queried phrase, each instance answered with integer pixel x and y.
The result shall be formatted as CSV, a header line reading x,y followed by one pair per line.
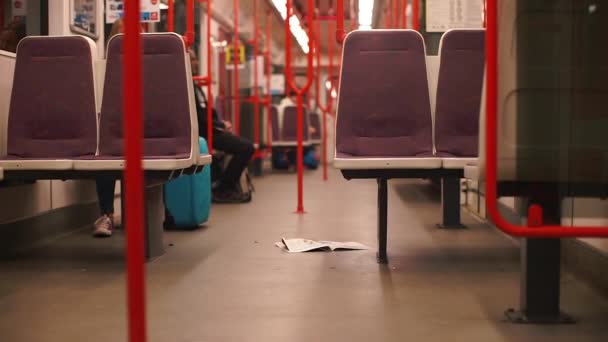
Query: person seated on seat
x,y
283,160
12,35
228,188
104,225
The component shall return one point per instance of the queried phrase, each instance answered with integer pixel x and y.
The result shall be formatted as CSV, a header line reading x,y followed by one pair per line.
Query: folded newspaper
x,y
305,245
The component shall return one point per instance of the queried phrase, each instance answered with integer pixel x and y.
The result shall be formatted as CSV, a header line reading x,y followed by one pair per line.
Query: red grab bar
x,y
170,16
236,88
535,228
256,98
325,110
340,33
189,22
268,75
133,174
299,91
416,14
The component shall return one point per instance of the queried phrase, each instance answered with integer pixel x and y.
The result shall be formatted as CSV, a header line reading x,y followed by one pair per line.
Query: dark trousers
x,y
105,194
241,150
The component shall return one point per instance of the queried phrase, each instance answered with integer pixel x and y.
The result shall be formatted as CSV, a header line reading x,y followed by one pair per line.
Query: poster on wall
x,y
19,9
84,17
150,10
443,15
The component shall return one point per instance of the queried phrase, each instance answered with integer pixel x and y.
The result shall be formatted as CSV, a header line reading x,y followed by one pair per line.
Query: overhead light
x,y
163,6
294,25
366,11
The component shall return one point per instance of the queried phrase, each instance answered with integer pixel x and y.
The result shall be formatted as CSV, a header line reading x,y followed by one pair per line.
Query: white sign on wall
x,y
443,15
19,8
150,10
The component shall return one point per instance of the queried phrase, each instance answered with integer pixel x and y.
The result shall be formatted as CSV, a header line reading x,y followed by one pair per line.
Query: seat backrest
x,y
169,121
290,125
7,70
52,113
462,54
315,122
274,118
383,104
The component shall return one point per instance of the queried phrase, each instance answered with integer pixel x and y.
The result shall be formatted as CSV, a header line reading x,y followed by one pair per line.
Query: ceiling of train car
x,y
223,11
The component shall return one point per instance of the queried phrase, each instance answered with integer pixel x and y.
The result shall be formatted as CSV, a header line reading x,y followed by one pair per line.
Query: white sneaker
x,y
103,226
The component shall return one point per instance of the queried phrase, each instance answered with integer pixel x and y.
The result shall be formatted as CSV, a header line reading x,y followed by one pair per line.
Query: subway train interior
x,y
303,170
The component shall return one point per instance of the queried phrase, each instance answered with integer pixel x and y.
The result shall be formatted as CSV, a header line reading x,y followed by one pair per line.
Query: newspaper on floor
x,y
305,245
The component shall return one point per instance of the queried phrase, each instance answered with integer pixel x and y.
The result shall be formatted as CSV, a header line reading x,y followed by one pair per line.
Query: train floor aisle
x,y
228,282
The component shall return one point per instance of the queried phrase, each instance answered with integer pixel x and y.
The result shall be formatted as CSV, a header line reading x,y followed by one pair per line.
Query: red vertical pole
x,y
170,16
190,22
237,101
268,74
416,15
318,95
299,91
340,33
134,204
404,14
209,82
256,99
485,13
396,14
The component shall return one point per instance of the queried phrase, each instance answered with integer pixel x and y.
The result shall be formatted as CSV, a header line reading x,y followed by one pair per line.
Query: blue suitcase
x,y
188,198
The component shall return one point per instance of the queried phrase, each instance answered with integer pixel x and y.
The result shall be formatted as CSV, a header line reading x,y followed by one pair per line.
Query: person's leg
x,y
241,151
105,194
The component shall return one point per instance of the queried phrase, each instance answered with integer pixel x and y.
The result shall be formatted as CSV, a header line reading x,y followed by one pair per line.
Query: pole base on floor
x,y
519,317
451,226
382,258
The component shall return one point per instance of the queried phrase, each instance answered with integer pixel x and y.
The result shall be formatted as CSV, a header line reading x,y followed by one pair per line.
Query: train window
x,y
19,19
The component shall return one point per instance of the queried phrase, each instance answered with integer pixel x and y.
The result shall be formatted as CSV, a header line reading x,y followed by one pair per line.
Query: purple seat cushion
x,y
459,93
290,124
384,107
167,125
52,112
274,118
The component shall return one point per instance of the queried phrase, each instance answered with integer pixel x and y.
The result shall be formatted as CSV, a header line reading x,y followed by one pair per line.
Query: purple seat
x,y
274,118
52,113
462,59
384,115
290,126
167,95
315,122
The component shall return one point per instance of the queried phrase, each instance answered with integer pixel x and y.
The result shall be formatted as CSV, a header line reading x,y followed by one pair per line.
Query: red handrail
x,y
396,12
299,91
236,87
535,228
416,15
403,14
256,99
170,16
340,33
268,75
189,22
328,108
209,79
133,174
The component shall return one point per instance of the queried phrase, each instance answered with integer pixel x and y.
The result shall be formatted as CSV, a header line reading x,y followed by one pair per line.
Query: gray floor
x,y
228,282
